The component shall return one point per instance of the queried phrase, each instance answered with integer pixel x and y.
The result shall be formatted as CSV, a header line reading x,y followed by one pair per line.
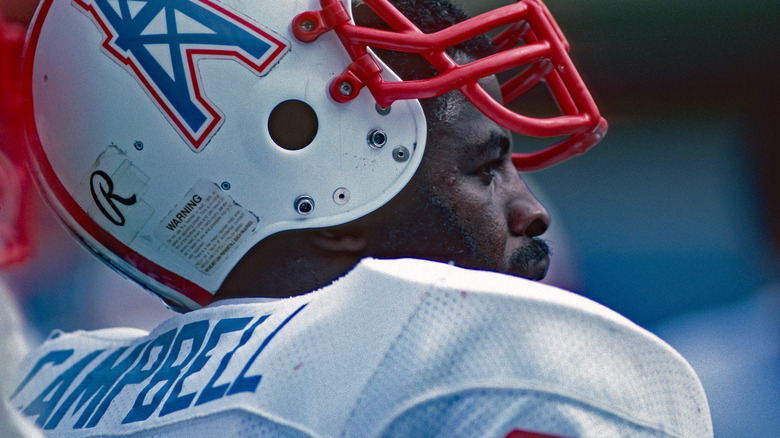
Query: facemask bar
x,y
544,48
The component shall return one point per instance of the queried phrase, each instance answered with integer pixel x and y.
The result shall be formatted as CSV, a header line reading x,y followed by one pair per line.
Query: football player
x,y
327,190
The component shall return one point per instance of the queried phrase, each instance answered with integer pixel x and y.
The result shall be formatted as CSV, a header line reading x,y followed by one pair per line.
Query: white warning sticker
x,y
206,226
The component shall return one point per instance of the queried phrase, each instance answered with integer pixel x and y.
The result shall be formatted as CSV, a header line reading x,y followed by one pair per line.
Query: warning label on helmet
x,y
206,226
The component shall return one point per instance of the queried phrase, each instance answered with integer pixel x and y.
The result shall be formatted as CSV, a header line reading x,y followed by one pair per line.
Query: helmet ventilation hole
x,y
293,125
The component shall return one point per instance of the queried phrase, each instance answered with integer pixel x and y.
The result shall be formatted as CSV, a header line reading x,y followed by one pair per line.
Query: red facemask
x,y
530,38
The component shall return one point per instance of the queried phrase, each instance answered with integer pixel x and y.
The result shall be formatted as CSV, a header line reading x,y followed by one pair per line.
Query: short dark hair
x,y
429,16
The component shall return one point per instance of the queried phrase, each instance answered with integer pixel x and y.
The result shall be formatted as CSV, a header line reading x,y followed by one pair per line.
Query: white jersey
x,y
394,348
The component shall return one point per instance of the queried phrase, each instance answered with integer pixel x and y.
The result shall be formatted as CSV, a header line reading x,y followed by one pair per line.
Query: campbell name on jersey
x,y
394,348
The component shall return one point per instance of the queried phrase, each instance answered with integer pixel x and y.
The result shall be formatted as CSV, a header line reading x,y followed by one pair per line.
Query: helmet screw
x,y
304,205
307,25
225,185
382,110
139,145
345,88
400,154
341,196
377,138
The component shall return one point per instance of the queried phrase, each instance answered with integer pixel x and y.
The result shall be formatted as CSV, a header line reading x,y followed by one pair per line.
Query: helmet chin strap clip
x,y
348,85
309,25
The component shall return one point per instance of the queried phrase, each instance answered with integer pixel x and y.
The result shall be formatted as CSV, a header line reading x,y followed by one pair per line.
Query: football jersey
x,y
394,348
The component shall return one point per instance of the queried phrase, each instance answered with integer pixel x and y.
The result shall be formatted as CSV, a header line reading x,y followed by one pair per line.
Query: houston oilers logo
x,y
160,42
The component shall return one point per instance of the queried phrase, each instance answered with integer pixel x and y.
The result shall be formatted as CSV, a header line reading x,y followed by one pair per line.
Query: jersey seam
x,y
423,296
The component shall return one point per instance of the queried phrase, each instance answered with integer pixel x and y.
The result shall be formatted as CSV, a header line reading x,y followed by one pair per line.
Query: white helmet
x,y
171,136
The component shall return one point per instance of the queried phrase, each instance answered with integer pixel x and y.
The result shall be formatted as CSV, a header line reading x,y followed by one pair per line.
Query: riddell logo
x,y
160,42
102,187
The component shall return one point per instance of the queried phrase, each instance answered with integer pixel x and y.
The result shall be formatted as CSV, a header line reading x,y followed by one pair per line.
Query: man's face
x,y
467,204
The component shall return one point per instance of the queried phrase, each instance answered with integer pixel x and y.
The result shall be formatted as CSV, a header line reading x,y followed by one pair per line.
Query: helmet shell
x,y
148,125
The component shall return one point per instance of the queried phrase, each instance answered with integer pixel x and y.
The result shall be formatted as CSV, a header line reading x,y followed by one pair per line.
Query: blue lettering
x,y
211,392
44,405
168,373
175,402
138,374
95,386
56,357
160,366
249,384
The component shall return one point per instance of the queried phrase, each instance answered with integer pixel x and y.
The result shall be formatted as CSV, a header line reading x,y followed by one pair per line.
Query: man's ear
x,y
343,239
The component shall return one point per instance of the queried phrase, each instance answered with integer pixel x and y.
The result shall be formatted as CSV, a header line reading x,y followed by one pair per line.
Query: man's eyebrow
x,y
495,142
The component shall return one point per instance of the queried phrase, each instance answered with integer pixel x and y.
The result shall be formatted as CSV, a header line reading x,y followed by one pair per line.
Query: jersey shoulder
x,y
390,344
483,340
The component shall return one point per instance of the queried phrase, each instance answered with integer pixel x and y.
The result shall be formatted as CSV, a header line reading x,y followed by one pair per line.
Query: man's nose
x,y
527,216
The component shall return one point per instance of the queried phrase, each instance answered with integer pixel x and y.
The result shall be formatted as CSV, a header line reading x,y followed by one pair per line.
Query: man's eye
x,y
487,173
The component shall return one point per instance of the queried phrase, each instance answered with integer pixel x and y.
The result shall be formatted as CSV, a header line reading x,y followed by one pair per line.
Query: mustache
x,y
536,251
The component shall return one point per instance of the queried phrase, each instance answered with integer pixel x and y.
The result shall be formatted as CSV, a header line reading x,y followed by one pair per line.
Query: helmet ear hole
x,y
293,125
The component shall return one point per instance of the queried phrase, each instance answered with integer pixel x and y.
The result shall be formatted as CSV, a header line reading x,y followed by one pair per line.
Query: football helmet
x,y
171,136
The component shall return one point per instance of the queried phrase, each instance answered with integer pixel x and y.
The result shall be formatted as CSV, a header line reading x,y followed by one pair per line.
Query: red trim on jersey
x,y
517,433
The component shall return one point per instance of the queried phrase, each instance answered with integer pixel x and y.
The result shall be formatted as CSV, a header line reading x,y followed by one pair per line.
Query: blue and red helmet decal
x,y
160,42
